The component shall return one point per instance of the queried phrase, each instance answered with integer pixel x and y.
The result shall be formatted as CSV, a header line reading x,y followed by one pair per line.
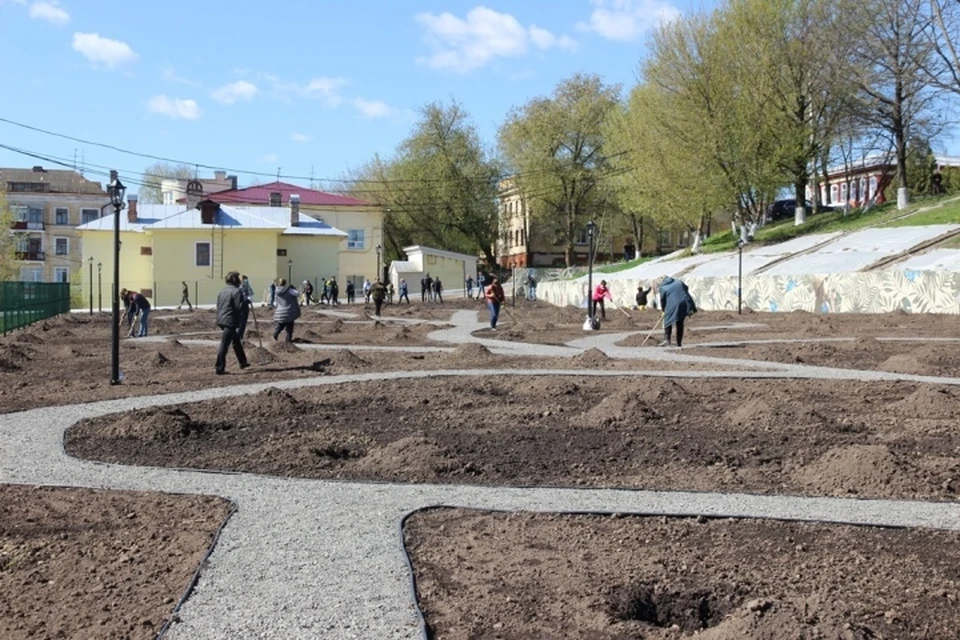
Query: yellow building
x,y
164,246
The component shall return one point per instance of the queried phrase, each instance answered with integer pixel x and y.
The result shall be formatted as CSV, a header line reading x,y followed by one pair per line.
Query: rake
x,y
655,325
256,326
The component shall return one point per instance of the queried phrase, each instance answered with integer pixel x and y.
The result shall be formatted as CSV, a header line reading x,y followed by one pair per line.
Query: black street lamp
x,y
290,272
379,251
591,232
740,244
116,191
99,287
90,260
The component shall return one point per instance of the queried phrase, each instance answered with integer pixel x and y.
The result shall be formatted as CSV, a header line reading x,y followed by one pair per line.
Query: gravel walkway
x,y
320,559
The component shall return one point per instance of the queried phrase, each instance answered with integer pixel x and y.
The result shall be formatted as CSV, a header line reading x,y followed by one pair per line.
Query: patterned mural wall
x,y
873,292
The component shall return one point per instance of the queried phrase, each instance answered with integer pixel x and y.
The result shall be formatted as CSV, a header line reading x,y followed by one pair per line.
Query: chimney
x,y
132,208
294,209
233,182
220,176
38,169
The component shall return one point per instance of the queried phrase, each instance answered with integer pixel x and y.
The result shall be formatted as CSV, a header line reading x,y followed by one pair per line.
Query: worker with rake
x,y
677,304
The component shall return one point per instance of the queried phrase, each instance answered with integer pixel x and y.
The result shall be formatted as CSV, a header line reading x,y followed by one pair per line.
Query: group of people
x,y
431,289
673,297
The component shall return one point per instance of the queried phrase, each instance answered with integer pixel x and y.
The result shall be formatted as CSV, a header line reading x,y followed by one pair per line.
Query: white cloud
x,y
270,158
464,45
170,74
175,108
371,108
323,88
49,11
98,50
235,91
626,20
299,137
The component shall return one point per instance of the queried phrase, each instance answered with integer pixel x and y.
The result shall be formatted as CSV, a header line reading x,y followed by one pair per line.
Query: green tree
x,y
555,150
9,269
155,173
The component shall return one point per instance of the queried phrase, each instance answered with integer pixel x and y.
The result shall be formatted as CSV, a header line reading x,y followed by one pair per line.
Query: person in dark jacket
x,y
230,306
378,292
437,290
677,304
642,297
351,292
139,306
287,311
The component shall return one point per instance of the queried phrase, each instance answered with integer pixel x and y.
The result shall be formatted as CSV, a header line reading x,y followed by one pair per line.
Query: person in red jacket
x,y
599,294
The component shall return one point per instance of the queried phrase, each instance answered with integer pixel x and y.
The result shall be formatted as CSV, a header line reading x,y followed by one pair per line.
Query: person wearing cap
x,y
231,304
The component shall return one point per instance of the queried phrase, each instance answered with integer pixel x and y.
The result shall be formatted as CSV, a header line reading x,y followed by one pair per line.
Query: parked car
x,y
782,209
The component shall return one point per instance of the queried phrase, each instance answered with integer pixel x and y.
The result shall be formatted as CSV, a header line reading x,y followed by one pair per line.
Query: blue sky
x,y
311,88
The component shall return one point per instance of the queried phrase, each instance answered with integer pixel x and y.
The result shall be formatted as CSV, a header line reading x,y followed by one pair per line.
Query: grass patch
x,y
943,212
622,266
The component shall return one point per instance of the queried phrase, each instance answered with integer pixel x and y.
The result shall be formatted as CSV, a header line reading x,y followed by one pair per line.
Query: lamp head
x,y
591,228
116,191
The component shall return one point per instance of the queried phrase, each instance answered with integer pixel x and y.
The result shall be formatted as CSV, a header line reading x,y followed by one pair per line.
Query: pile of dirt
x,y
312,336
151,425
160,360
13,357
345,360
906,363
28,338
620,408
928,401
260,355
282,346
268,402
337,326
413,455
470,354
752,411
176,344
856,469
591,358
665,391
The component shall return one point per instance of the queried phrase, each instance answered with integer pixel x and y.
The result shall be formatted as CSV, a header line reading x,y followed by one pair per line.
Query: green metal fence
x,y
23,303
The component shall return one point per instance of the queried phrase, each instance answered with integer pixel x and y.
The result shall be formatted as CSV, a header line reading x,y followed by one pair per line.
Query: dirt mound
x,y
591,358
270,401
337,326
621,408
282,346
928,401
751,411
854,469
907,363
469,354
346,359
160,360
415,455
7,366
15,354
176,344
157,425
866,344
312,336
666,390
260,355
29,338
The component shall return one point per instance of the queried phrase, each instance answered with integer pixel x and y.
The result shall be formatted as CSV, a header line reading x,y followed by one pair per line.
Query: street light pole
x,y
379,251
591,231
740,277
116,191
99,287
290,272
90,260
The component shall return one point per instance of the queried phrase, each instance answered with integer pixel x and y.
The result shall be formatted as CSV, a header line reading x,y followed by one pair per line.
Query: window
x,y
355,239
89,215
62,247
34,214
581,236
146,251
62,215
281,252
168,197
203,254
61,274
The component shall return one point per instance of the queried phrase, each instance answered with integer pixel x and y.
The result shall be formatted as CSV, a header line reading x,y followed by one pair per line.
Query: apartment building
x,y
48,205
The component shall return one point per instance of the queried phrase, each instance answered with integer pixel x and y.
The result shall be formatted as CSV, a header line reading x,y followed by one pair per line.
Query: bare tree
x,y
156,173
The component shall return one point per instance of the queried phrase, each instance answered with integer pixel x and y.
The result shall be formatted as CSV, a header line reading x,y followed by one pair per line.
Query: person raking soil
x,y
677,304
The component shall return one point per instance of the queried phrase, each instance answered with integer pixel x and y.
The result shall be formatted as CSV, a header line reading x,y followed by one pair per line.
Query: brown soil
x,y
844,438
84,563
517,576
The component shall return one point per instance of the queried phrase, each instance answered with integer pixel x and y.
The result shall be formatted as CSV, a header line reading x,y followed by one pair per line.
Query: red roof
x,y
260,194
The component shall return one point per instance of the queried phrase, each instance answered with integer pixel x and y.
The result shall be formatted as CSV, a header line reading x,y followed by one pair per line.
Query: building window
x,y
581,236
168,197
61,274
34,214
62,246
355,239
89,215
203,254
62,215
146,251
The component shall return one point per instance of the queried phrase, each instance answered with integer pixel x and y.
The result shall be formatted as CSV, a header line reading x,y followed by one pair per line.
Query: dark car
x,y
782,209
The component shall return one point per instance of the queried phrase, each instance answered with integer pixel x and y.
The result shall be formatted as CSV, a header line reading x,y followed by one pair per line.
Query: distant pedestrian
x,y
287,311
531,287
390,292
481,286
334,292
403,292
642,297
469,284
426,288
493,294
307,292
366,290
272,300
351,292
246,290
378,292
230,304
599,295
185,296
677,304
437,290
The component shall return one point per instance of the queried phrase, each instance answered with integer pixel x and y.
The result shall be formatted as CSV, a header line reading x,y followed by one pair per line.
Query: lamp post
x,y
379,251
99,287
290,272
116,191
90,260
591,232
740,277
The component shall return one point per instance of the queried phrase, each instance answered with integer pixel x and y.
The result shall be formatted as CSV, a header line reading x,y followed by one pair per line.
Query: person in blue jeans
x,y
139,305
494,296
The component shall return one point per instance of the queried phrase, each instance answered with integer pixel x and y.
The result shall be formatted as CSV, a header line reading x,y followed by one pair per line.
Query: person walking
x,y
642,299
246,290
437,290
469,284
351,292
287,311
390,292
366,290
378,292
481,286
676,303
493,294
404,294
185,296
426,288
230,304
334,292
272,300
307,293
531,287
599,294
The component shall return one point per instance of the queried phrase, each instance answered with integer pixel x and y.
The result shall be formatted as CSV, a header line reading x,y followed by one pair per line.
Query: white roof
x,y
438,252
147,214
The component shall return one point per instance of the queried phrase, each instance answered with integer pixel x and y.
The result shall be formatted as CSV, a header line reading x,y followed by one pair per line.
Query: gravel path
x,y
311,559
